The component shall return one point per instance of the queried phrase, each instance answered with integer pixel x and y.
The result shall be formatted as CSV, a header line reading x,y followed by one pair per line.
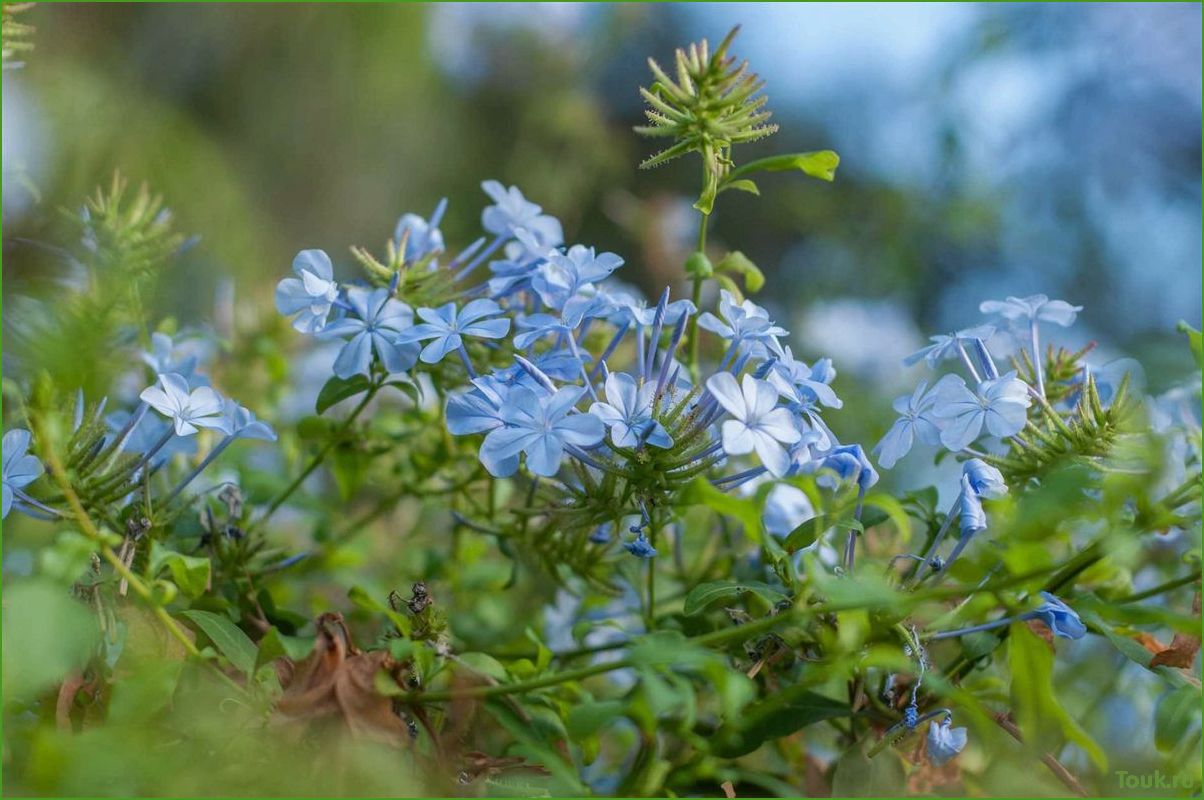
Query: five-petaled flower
x,y
424,237
1035,307
188,410
944,741
375,328
541,428
916,421
628,413
511,212
757,423
945,345
1001,405
1059,618
311,294
740,321
445,327
564,274
20,469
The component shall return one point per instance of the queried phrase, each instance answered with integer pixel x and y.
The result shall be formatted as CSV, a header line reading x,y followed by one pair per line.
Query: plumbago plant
x,y
712,591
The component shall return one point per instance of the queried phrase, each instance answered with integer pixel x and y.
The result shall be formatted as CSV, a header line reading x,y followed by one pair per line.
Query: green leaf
x,y
857,775
1127,647
275,644
1038,712
227,637
409,388
1176,712
778,715
805,534
818,164
705,595
743,185
46,636
1193,341
338,389
698,266
587,719
190,573
700,491
737,263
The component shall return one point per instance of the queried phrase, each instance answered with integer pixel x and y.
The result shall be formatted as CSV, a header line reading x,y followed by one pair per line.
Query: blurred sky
x,y
988,149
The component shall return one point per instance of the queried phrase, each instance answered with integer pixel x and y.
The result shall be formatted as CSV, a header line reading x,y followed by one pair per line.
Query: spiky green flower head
x,y
714,103
16,35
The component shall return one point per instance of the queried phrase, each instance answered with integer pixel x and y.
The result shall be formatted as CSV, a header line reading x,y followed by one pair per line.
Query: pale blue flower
x,y
849,463
786,507
425,237
149,431
241,423
946,345
537,326
916,421
511,211
376,328
1001,405
1035,307
626,306
311,294
188,410
446,327
628,413
602,533
478,411
984,480
971,517
944,741
640,547
740,321
564,274
1059,618
19,468
166,356
795,378
528,250
542,428
757,423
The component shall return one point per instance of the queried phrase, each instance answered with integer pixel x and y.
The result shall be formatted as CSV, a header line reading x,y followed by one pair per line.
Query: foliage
x,y
640,559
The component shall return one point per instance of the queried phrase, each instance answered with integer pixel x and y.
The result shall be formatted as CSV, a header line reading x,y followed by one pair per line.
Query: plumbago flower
x,y
1035,307
311,294
20,469
944,741
445,328
512,212
757,423
916,421
375,329
740,322
949,345
188,410
422,237
627,412
541,428
999,405
565,274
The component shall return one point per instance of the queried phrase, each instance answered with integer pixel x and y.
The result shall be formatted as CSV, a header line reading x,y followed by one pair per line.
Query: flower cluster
x,y
565,370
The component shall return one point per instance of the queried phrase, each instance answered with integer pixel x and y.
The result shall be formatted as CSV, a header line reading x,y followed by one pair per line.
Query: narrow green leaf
x,y
190,573
778,715
338,389
737,263
1193,341
701,492
705,595
227,637
275,644
742,185
588,719
818,164
808,532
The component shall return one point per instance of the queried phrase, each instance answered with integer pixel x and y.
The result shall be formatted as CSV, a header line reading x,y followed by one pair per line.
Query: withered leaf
x,y
337,681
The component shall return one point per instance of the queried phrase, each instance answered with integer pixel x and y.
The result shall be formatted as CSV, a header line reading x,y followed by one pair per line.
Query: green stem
x,y
1161,588
705,640
650,611
335,438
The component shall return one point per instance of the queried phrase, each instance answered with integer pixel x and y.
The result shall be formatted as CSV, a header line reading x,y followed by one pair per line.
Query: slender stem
x,y
199,468
850,542
966,360
317,459
696,296
1038,365
986,626
650,611
936,541
1161,588
734,633
89,529
463,351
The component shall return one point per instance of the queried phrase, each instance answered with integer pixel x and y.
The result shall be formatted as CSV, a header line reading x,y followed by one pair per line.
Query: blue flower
x,y
541,428
477,411
188,410
786,507
511,212
1001,405
240,423
850,463
794,378
376,328
446,327
537,326
309,295
425,238
740,321
628,413
971,518
916,421
148,431
564,275
944,741
19,468
640,547
1034,308
946,345
602,533
1059,618
625,306
985,480
528,250
757,423
166,356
